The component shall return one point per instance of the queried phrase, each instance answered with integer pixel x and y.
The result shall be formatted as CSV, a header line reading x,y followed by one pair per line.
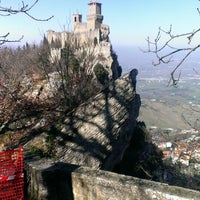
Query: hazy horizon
x,y
130,57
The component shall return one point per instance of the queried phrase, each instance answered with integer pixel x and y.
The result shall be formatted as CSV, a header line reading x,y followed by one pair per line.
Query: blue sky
x,y
130,21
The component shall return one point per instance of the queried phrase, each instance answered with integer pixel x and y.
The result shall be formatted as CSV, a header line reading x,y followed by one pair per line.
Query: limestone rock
x,y
97,133
38,87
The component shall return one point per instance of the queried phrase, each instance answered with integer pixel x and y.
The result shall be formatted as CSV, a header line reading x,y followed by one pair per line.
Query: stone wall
x,y
46,180
100,185
59,181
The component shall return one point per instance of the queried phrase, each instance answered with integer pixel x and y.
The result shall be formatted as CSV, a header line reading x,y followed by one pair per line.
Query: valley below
x,y
164,107
168,106
171,115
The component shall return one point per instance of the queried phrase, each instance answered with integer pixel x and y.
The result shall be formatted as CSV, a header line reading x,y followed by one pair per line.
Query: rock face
x,y
100,129
103,54
97,133
44,89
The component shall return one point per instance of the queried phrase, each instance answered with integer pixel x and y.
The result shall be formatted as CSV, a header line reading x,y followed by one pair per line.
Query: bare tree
x,y
159,49
25,9
5,66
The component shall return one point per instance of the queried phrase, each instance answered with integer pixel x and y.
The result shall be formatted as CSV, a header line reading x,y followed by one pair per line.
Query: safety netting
x,y
11,175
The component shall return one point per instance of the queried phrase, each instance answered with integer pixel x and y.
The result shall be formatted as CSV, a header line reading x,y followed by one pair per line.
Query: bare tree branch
x,y
159,49
4,39
24,9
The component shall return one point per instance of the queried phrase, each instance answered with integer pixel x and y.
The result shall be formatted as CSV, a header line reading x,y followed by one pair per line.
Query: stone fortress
x,y
92,34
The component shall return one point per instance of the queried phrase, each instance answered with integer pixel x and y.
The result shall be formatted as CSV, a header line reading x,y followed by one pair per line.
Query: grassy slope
x,y
164,106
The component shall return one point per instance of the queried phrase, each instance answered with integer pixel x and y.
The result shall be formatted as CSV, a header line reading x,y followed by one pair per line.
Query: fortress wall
x,y
87,37
82,35
65,37
84,38
53,35
46,180
80,27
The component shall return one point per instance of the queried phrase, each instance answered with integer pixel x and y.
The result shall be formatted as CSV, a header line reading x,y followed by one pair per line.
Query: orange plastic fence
x,y
11,175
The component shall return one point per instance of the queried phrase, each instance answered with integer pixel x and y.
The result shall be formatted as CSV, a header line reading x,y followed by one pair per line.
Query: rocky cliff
x,y
96,133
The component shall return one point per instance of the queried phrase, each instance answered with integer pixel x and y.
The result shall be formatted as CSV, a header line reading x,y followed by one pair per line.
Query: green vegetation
x,y
47,148
101,74
37,151
169,107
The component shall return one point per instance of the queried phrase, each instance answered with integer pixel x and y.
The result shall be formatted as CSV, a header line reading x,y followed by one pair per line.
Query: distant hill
x,y
162,115
169,107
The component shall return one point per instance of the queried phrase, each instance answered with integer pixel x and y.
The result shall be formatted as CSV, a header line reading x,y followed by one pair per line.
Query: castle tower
x,y
77,19
94,17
